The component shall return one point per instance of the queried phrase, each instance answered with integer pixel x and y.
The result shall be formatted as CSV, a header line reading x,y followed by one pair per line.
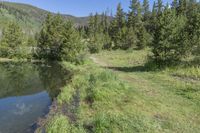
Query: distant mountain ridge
x,y
29,17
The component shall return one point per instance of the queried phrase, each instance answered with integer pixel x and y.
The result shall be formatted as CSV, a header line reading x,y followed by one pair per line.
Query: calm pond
x,y
26,93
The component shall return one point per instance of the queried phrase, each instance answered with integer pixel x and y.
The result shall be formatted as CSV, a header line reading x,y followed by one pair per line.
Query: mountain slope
x,y
29,17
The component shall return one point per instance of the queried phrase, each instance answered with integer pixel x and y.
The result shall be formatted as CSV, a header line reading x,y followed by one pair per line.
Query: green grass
x,y
124,98
161,93
60,124
192,73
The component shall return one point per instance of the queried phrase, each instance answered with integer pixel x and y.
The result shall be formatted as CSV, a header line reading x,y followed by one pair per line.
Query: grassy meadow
x,y
117,94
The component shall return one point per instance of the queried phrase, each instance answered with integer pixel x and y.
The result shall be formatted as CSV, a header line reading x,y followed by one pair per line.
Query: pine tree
x,y
193,26
132,13
106,22
175,4
143,37
59,40
182,7
192,8
120,17
131,39
12,41
31,41
135,22
138,16
118,27
140,29
91,25
96,33
154,12
50,38
71,46
146,10
104,29
153,20
96,23
170,40
102,25
159,7
146,15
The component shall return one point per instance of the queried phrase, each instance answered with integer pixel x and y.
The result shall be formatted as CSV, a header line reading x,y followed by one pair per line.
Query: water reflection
x,y
53,77
26,91
17,79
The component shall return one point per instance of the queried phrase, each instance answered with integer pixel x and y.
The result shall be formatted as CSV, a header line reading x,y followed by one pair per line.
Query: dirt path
x,y
106,65
99,62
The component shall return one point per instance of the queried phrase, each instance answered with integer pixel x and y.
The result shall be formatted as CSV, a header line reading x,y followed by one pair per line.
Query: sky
x,y
79,8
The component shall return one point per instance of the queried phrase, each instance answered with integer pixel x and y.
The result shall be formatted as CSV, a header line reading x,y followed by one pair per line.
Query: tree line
x,y
58,40
171,31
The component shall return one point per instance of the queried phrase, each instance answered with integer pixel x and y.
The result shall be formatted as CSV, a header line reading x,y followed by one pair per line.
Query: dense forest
x,y
171,31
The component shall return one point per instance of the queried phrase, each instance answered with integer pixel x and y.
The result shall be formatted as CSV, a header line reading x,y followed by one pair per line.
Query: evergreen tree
x,y
138,17
106,22
131,39
159,7
12,41
170,40
146,10
193,28
50,38
142,34
102,25
154,12
96,43
96,33
182,8
83,31
192,8
144,38
96,23
153,20
135,22
132,13
120,17
118,27
91,25
58,40
31,41
175,4
104,29
71,47
146,15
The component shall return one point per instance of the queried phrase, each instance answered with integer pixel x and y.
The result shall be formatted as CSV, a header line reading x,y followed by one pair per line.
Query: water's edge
x,y
53,110
21,82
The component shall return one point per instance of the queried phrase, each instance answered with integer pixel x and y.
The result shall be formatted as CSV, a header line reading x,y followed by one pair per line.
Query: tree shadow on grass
x,y
152,66
149,66
128,69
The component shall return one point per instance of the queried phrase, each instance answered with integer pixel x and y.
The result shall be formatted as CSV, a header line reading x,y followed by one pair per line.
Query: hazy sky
x,y
78,7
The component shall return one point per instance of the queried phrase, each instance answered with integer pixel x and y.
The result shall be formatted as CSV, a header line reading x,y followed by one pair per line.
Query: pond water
x,y
26,93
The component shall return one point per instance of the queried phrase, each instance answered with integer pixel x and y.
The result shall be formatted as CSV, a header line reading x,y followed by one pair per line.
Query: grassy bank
x,y
117,94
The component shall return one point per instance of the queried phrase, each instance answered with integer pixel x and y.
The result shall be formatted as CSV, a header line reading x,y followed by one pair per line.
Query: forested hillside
x,y
30,18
